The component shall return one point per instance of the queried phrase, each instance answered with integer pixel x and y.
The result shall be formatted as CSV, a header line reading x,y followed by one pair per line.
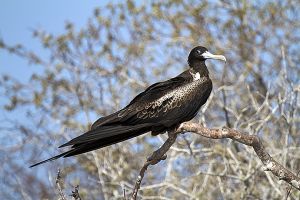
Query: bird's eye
x,y
199,52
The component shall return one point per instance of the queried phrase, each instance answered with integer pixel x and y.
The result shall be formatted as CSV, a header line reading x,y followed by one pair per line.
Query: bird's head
x,y
200,53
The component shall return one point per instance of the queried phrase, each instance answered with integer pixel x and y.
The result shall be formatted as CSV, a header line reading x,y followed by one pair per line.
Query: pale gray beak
x,y
208,55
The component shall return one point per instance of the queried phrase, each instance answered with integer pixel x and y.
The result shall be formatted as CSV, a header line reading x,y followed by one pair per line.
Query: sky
x,y
19,18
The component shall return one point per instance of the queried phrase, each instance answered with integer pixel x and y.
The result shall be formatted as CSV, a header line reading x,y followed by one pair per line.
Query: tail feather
x,y
50,159
107,120
101,137
83,148
104,132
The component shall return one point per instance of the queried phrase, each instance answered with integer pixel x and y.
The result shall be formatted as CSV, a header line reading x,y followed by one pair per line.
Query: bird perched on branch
x,y
161,107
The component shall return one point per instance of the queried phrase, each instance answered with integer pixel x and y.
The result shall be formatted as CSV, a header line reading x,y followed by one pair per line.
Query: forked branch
x,y
251,140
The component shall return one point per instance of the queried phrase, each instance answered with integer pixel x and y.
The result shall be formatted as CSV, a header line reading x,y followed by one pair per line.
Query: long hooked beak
x,y
208,55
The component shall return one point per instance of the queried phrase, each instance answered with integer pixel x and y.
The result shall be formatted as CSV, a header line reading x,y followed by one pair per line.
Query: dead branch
x,y
250,140
155,158
75,193
59,185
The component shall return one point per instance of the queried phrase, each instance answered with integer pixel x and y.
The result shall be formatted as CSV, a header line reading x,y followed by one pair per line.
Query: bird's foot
x,y
156,157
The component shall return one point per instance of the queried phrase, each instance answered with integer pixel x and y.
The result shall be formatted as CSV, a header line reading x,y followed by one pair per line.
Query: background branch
x,y
59,184
93,69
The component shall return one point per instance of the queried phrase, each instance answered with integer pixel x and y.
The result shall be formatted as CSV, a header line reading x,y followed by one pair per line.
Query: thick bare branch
x,y
251,140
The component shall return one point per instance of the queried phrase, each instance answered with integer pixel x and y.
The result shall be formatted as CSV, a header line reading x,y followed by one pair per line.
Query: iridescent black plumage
x,y
162,106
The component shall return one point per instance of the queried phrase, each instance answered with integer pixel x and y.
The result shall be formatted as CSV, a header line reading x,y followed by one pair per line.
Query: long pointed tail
x,y
100,137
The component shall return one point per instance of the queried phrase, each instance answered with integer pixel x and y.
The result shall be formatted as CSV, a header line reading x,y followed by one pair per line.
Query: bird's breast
x,y
180,95
189,90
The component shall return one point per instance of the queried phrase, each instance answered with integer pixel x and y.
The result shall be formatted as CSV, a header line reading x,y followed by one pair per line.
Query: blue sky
x,y
19,18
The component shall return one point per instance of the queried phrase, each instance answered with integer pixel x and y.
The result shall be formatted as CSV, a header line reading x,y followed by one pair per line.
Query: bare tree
x,y
97,69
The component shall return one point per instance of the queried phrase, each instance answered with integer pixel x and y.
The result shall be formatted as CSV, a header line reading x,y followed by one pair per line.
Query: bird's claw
x,y
156,157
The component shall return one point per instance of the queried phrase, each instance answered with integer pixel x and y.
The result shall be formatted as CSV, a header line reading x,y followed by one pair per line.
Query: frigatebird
x,y
161,107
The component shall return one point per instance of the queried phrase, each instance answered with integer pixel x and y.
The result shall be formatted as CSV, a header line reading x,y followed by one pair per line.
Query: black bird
x,y
161,107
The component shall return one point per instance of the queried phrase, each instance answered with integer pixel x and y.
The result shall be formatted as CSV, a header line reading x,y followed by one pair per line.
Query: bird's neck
x,y
199,67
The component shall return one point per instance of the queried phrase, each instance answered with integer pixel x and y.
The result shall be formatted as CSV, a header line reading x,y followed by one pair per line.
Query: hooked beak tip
x,y
209,55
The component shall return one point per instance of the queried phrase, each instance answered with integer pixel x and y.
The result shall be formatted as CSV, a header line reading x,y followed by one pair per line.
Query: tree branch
x,y
155,158
59,185
250,140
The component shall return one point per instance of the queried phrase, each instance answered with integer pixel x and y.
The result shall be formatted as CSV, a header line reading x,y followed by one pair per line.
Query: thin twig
x,y
75,193
124,194
59,185
225,100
